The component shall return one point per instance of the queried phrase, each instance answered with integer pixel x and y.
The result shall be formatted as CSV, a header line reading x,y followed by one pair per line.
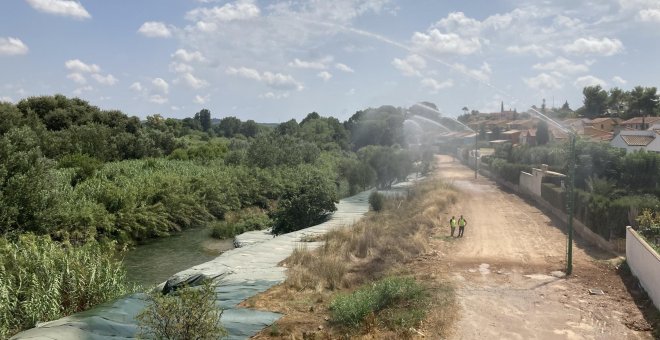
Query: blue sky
x,y
275,60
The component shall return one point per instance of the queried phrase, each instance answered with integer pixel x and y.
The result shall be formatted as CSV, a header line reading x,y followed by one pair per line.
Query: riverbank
x,y
239,274
154,262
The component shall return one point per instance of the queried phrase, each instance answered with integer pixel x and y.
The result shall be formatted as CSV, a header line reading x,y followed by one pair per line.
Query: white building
x,y
633,140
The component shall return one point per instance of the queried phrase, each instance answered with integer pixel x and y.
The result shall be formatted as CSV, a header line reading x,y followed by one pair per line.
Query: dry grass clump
x,y
307,270
365,251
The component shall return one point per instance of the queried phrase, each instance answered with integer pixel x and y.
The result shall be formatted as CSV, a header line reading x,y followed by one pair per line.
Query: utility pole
x,y
571,204
476,157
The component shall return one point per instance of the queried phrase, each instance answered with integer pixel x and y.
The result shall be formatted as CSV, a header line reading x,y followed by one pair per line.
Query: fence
x,y
644,263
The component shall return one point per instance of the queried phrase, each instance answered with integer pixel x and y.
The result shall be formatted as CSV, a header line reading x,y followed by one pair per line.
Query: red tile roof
x,y
638,140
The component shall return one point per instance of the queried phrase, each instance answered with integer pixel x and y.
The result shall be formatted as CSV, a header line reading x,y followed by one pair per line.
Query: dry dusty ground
x,y
503,273
503,270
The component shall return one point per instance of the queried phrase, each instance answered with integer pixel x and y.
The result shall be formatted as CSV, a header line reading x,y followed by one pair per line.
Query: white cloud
x,y
350,92
12,46
60,7
483,73
594,46
137,87
274,80
76,65
245,72
589,80
272,95
155,29
563,66
436,42
6,99
410,66
434,86
530,49
161,85
320,64
186,56
201,99
239,10
325,75
619,80
77,78
649,15
543,82
105,80
158,99
178,67
80,90
344,68
192,81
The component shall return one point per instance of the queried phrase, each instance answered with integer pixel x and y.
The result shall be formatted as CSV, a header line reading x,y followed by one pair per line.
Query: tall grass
x,y
42,280
398,302
374,244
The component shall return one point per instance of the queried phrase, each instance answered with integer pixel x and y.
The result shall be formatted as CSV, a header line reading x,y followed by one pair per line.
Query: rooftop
x,y
639,120
637,140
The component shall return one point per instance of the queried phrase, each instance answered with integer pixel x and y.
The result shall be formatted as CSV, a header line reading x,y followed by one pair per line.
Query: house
x,y
557,135
639,123
528,137
522,124
633,140
596,134
603,124
513,136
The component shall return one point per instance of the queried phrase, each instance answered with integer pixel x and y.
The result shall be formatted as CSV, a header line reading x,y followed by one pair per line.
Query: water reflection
x,y
156,261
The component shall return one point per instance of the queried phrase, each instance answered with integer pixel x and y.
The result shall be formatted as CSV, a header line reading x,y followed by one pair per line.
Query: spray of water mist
x,y
436,111
397,44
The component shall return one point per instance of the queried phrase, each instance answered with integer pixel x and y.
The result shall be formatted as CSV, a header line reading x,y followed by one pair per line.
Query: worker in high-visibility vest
x,y
452,225
461,226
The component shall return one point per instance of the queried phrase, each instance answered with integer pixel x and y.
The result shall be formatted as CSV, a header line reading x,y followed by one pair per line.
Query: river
x,y
154,262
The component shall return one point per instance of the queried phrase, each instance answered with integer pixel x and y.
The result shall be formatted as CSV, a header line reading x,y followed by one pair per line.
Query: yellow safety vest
x,y
462,222
452,222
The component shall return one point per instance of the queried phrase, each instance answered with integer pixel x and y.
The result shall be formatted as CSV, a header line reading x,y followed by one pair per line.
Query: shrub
x,y
385,298
189,313
377,201
239,222
554,195
42,280
509,172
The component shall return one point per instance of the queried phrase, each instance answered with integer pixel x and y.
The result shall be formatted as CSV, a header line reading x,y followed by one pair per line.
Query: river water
x,y
154,262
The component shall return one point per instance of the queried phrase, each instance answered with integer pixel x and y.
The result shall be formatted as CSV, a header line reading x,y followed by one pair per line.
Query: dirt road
x,y
507,271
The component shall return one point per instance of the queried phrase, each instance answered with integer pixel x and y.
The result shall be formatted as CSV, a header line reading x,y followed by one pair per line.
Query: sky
x,y
275,60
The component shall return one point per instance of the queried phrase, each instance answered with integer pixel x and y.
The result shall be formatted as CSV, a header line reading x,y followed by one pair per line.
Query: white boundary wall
x,y
644,263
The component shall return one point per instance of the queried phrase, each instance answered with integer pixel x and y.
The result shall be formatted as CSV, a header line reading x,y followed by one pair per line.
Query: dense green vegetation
x,y
188,313
77,182
612,187
42,280
398,303
73,171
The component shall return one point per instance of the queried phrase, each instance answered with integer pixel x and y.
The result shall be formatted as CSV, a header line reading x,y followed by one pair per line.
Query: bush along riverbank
x,y
81,180
356,285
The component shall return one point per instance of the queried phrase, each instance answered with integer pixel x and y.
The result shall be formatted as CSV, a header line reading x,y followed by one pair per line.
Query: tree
x,y
616,100
595,101
542,133
307,204
496,132
643,101
289,127
228,127
189,313
204,117
250,128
